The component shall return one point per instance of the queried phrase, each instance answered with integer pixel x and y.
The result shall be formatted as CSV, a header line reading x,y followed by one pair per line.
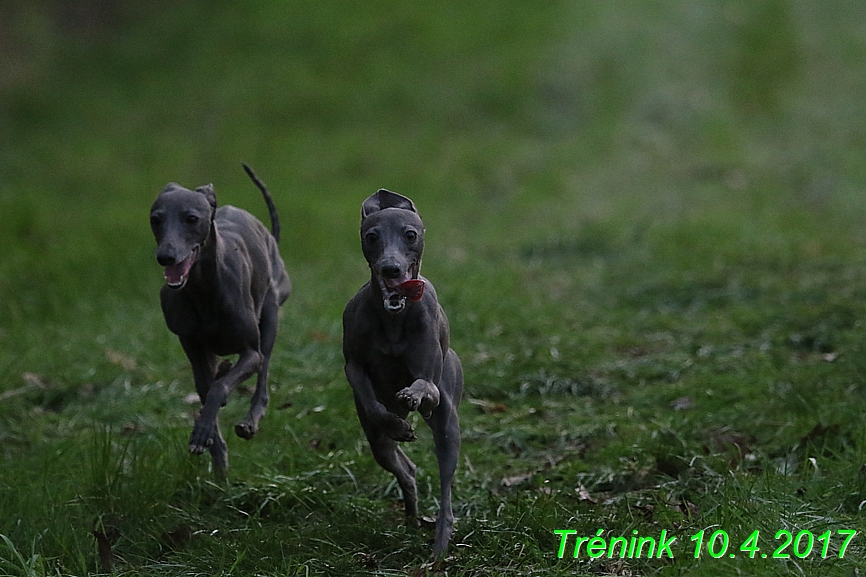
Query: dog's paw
x,y
397,428
202,437
410,397
421,396
246,430
405,436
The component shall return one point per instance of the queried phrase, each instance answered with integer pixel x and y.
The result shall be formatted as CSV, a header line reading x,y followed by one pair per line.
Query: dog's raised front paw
x,y
421,396
410,398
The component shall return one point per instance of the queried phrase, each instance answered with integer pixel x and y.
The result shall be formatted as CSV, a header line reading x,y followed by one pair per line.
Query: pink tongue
x,y
174,273
414,289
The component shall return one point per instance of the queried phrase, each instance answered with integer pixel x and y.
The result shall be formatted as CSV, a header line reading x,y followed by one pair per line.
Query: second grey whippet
x,y
396,347
225,281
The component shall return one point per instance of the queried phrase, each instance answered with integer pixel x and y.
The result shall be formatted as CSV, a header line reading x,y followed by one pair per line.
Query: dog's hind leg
x,y
219,453
248,427
224,367
445,427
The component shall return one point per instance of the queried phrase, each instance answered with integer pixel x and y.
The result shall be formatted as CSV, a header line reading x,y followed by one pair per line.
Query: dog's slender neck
x,y
203,276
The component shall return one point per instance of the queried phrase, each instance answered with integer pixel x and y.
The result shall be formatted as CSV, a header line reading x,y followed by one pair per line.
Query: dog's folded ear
x,y
385,199
209,193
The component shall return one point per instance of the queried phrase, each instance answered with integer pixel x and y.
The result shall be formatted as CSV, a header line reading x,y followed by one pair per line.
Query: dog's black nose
x,y
390,271
165,260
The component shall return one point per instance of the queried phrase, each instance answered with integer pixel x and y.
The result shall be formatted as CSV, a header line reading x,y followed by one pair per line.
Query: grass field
x,y
645,222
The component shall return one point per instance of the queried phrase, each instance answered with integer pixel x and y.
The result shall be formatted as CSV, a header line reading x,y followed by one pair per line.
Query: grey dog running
x,y
225,281
396,347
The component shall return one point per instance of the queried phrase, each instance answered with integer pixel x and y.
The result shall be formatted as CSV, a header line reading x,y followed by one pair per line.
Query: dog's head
x,y
392,238
181,221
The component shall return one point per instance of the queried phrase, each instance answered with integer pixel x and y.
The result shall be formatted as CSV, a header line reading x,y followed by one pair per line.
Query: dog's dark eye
x,y
155,221
191,218
371,237
411,235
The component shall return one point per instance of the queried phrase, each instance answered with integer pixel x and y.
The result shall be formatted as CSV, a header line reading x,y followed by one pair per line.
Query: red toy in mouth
x,y
413,289
397,290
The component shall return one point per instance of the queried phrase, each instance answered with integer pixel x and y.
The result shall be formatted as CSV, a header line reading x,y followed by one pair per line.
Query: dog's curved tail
x,y
275,220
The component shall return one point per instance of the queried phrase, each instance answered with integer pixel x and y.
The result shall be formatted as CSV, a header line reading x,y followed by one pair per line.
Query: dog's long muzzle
x,y
397,288
176,272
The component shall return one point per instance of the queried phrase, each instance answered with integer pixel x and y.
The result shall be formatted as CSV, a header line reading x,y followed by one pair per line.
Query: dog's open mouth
x,y
395,291
176,274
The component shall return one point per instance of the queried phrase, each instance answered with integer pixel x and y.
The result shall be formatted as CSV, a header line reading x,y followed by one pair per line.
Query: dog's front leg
x,y
374,411
425,365
206,430
204,366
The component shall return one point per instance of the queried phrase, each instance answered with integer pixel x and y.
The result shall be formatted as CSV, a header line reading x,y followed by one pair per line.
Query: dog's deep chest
x,y
388,373
388,343
217,329
388,356
386,359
